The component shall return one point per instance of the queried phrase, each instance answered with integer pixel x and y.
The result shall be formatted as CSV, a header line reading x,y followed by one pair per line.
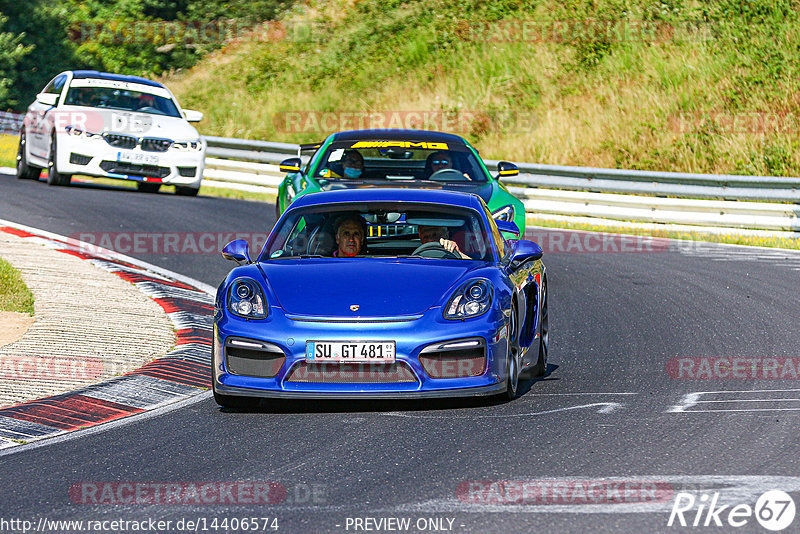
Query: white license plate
x,y
355,351
138,158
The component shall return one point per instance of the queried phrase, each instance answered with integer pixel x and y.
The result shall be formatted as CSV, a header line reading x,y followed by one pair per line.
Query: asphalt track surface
x,y
606,409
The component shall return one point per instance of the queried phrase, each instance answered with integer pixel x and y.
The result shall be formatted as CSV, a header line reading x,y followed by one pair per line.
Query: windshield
x,y
123,99
397,161
382,230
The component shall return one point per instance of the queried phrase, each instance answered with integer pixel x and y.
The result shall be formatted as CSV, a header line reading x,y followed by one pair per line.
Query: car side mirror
x,y
507,226
48,99
290,165
525,250
506,169
237,250
193,116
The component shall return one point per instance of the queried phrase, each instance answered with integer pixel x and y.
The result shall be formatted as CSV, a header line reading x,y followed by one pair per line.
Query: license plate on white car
x,y
355,351
138,158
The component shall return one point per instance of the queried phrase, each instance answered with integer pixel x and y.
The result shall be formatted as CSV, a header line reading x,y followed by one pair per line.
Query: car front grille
x,y
120,141
133,169
152,144
351,373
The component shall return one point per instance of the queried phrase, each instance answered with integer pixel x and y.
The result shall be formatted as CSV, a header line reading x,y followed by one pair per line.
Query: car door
x,y
40,117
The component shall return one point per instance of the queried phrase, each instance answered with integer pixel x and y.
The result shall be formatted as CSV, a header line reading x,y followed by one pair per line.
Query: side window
x,y
496,235
56,85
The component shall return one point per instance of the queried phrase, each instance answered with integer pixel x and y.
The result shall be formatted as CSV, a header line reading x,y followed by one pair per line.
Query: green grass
x,y
8,150
587,99
14,294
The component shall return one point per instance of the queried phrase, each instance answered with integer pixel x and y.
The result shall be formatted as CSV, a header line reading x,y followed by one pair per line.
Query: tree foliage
x,y
39,38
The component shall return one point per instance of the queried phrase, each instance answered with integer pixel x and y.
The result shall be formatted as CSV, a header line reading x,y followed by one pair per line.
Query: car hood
x,y
482,189
99,120
328,287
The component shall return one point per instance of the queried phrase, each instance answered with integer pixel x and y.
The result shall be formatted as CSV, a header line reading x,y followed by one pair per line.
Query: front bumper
x,y
95,157
410,337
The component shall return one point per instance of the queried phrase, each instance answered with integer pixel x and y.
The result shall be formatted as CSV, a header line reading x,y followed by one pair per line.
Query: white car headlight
x,y
188,146
470,300
77,132
246,299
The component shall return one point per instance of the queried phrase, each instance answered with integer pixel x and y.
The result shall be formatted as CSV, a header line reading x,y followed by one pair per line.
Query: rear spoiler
x,y
308,148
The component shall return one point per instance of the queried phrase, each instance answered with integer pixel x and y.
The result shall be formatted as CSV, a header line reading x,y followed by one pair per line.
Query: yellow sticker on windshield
x,y
400,144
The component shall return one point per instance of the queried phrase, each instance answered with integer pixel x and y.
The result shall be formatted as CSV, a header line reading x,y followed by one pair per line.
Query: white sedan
x,y
111,126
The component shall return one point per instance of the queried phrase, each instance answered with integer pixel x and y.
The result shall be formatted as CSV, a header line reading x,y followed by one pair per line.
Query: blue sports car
x,y
381,293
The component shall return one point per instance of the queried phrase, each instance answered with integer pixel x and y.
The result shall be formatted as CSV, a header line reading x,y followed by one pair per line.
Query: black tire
x,y
186,191
146,187
512,362
544,336
53,176
25,171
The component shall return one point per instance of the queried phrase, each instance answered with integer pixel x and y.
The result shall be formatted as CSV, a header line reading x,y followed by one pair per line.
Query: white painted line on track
x,y
690,401
605,407
565,394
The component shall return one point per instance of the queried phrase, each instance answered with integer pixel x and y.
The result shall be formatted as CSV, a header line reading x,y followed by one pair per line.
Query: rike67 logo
x,y
774,510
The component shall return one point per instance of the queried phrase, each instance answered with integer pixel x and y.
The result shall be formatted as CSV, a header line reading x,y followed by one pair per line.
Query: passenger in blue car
x,y
351,235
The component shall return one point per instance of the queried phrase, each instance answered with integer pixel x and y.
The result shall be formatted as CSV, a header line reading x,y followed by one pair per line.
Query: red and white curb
x,y
184,372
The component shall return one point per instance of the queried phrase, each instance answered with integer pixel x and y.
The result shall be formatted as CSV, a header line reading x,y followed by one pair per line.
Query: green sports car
x,y
399,159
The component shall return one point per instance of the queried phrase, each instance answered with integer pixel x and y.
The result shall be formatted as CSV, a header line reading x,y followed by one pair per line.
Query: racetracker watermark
x,y
461,121
564,491
189,33
90,123
740,122
579,242
573,31
733,368
178,493
163,242
51,368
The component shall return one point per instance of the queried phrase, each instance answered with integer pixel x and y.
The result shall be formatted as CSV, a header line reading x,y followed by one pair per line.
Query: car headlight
x,y
506,213
246,299
188,146
470,300
77,132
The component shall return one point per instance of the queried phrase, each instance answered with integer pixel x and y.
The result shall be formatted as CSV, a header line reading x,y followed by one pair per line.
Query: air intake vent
x,y
78,159
351,373
454,359
132,169
248,362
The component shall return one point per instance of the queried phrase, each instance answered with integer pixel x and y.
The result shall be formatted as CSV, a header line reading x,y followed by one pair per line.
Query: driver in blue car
x,y
431,234
351,235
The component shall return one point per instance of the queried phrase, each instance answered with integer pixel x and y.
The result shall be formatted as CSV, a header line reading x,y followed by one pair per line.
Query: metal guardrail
x,y
555,191
10,123
720,201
